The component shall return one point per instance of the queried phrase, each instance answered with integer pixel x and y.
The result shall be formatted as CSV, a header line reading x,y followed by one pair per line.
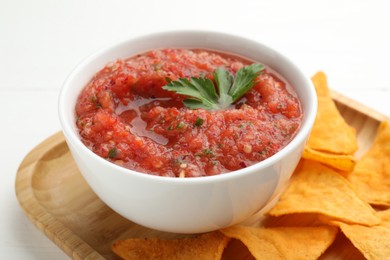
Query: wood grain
x,y
56,198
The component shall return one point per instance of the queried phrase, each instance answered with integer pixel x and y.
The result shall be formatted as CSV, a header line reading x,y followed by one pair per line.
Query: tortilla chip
x,y
371,177
330,132
321,84
284,242
206,246
318,189
372,242
385,216
340,162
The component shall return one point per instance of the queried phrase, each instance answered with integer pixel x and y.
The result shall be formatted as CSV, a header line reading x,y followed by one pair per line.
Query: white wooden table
x,y
41,41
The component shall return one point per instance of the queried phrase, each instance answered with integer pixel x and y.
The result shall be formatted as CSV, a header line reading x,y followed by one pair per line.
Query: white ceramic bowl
x,y
187,205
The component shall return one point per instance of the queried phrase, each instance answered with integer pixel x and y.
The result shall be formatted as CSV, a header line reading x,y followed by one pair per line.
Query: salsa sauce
x,y
124,116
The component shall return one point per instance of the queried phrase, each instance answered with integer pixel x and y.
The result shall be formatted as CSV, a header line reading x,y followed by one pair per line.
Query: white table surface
x,y
42,40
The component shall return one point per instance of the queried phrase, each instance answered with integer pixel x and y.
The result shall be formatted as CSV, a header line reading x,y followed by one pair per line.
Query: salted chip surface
x,y
330,132
206,246
372,242
343,162
371,176
316,188
284,242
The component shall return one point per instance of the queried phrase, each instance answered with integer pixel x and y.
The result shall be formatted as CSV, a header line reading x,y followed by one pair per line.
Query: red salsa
x,y
125,116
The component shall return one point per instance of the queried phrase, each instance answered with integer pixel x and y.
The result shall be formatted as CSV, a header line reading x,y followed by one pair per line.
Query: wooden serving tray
x,y
56,198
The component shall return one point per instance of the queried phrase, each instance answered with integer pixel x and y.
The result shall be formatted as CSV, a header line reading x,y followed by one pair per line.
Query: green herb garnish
x,y
180,125
199,121
208,152
112,153
202,92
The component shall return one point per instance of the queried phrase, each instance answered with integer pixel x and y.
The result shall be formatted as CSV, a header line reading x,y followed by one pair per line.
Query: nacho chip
x,y
206,246
371,177
284,242
330,132
385,216
338,161
372,242
318,189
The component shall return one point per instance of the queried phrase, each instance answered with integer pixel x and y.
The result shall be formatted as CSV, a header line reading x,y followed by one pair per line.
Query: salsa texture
x,y
125,116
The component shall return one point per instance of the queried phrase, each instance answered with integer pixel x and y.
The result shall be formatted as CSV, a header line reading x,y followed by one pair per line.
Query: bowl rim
x,y
301,135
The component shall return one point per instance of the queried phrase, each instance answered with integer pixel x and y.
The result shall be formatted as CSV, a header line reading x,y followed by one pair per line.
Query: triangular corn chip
x,y
341,162
284,242
207,246
318,189
371,177
330,132
372,242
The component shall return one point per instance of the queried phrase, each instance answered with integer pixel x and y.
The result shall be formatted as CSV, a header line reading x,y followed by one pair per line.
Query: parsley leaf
x,y
202,92
112,153
199,121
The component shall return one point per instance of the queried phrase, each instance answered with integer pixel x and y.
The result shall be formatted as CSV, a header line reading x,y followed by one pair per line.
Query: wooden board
x,y
56,198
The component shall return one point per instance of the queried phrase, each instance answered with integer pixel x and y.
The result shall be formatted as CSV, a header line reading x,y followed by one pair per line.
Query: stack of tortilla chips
x,y
329,191
332,141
